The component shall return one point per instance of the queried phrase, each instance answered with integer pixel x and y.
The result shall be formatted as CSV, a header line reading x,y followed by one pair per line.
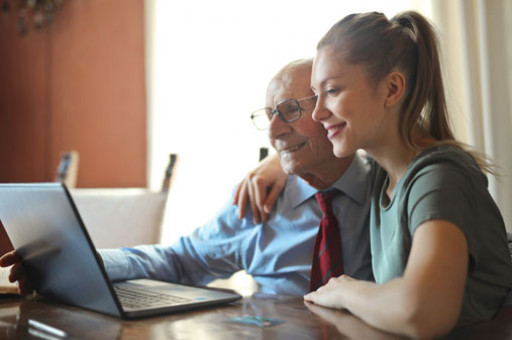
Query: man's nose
x,y
277,127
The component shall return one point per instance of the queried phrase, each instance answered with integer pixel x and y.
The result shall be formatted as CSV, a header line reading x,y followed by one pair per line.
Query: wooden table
x,y
300,322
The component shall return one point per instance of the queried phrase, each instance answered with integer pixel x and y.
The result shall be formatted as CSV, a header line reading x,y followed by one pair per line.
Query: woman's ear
x,y
395,88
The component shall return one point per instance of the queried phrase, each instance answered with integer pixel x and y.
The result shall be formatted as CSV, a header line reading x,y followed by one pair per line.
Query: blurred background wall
x,y
77,84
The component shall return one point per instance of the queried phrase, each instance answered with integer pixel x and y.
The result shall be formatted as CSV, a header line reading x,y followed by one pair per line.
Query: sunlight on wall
x,y
208,67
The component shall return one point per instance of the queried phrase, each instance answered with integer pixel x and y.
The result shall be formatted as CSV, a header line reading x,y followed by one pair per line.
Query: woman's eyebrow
x,y
322,83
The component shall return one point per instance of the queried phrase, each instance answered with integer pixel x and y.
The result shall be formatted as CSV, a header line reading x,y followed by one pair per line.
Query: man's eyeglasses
x,y
289,110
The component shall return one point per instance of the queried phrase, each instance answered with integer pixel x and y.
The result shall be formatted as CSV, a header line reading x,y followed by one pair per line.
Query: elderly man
x,y
278,253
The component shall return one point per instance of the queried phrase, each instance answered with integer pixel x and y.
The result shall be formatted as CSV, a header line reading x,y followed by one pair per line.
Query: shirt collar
x,y
353,183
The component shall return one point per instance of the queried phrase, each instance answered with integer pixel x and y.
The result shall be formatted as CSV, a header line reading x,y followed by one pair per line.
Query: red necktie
x,y
327,256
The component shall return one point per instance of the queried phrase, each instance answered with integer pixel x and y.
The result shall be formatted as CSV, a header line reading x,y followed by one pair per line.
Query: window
x,y
209,63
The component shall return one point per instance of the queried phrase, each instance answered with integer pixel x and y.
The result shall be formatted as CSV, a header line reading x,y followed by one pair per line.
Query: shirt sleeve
x,y
444,192
215,250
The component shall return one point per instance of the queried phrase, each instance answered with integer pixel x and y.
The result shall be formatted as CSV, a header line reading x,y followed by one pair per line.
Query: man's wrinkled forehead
x,y
277,89
291,85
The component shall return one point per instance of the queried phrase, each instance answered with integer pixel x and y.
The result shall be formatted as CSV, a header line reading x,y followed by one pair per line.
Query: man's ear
x,y
395,88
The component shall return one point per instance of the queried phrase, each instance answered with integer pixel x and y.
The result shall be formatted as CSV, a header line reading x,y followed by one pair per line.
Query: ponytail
x,y
425,104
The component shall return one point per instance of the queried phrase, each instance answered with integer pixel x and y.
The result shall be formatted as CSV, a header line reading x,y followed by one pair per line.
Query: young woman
x,y
439,246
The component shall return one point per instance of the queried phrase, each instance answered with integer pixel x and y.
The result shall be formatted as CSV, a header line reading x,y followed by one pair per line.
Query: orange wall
x,y
79,84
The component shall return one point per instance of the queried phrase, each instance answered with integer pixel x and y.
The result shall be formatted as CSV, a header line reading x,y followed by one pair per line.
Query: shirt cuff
x,y
116,263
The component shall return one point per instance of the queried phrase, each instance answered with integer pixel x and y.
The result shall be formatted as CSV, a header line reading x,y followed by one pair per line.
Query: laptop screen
x,y
57,253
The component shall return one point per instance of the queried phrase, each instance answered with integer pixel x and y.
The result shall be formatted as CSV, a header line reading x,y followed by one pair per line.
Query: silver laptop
x,y
61,261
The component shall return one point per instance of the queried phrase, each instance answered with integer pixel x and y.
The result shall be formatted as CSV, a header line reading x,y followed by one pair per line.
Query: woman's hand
x,y
17,273
329,295
261,188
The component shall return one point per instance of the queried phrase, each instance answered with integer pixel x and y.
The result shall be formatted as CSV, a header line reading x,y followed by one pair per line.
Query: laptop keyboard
x,y
140,299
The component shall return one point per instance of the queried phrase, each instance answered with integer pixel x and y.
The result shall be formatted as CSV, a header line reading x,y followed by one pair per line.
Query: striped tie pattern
x,y
327,256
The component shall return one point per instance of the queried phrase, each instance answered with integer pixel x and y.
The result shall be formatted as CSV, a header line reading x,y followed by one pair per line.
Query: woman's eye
x,y
331,92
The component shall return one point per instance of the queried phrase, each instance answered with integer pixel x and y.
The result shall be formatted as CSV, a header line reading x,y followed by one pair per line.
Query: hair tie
x,y
404,22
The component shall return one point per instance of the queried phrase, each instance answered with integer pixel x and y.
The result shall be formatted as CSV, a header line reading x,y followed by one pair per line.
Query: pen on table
x,y
46,328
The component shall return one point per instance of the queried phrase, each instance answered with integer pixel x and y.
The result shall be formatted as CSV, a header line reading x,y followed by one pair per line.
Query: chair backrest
x,y
121,217
263,153
167,182
67,170
124,217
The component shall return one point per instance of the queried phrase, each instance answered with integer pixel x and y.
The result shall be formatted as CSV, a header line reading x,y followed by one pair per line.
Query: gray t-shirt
x,y
443,183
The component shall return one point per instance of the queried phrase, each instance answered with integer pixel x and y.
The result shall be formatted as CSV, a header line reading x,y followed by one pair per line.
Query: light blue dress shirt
x,y
277,253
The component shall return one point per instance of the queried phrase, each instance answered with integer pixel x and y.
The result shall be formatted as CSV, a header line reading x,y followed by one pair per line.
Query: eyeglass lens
x,y
289,111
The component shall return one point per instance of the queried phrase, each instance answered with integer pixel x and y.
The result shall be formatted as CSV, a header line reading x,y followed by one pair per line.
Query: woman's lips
x,y
334,130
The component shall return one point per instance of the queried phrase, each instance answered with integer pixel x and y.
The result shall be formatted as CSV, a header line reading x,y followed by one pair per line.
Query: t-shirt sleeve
x,y
444,192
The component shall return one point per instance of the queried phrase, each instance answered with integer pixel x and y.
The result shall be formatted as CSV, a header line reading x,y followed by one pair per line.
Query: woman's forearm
x,y
423,303
393,307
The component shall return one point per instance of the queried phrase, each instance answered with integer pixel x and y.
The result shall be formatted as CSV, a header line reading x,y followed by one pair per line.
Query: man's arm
x,y
211,251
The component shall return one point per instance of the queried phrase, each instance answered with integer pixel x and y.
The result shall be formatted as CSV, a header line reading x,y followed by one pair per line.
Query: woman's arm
x,y
425,302
261,188
350,326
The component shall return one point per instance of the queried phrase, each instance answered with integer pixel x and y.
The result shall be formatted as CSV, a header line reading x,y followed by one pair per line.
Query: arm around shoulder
x,y
261,188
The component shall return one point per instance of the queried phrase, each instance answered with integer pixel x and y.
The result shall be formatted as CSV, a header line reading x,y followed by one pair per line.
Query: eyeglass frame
x,y
275,111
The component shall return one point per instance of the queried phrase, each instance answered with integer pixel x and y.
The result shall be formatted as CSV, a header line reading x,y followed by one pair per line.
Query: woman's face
x,y
349,107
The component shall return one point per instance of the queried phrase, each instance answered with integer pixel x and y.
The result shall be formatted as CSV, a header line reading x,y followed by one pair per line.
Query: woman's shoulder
x,y
444,166
446,158
445,154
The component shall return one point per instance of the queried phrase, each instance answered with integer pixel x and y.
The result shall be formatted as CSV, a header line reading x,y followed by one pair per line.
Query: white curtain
x,y
478,64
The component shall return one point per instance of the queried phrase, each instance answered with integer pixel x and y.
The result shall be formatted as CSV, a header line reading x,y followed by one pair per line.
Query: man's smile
x,y
293,148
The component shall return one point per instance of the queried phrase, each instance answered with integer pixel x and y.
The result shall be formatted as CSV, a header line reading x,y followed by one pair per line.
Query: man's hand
x,y
261,188
17,273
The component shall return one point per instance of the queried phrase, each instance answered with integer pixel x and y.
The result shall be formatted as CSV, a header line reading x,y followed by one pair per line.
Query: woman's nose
x,y
320,112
